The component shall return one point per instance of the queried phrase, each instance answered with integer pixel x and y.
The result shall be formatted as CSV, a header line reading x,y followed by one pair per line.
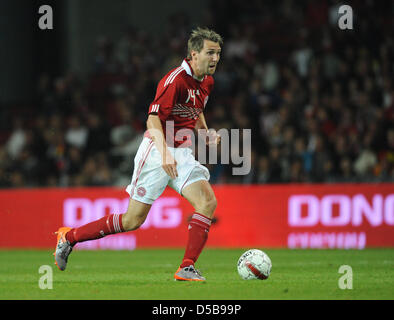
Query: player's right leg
x,y
68,237
135,215
148,182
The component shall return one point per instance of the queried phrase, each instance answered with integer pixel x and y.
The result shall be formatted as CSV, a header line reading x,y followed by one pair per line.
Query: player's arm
x,y
201,126
155,128
201,123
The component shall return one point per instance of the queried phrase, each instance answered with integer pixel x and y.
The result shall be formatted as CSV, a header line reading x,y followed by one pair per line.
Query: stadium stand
x,y
319,100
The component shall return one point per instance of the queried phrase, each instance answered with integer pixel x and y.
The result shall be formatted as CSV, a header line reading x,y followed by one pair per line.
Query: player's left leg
x,y
202,197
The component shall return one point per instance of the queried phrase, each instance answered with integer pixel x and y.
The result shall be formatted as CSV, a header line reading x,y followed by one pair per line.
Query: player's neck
x,y
198,78
196,75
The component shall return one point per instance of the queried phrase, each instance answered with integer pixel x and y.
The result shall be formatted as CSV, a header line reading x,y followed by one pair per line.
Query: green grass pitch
x,y
148,275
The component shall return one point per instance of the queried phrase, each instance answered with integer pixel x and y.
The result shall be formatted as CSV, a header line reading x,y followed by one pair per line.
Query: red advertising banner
x,y
295,216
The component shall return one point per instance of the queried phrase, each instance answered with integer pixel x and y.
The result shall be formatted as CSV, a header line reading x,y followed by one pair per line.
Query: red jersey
x,y
180,98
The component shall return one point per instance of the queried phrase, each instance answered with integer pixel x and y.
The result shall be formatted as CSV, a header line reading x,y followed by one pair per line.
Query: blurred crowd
x,y
319,100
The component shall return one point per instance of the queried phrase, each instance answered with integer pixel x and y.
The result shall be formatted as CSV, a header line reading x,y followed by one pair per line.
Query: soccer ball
x,y
254,264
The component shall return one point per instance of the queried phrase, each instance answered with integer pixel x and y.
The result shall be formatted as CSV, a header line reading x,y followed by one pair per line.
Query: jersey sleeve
x,y
165,99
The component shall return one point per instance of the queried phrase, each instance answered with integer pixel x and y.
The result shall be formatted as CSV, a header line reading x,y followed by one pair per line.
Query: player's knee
x,y
212,204
208,204
132,222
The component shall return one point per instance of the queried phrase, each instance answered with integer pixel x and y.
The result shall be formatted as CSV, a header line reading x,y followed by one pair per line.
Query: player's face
x,y
207,59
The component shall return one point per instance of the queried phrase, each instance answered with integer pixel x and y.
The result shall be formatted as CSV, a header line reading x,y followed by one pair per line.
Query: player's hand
x,y
213,138
169,165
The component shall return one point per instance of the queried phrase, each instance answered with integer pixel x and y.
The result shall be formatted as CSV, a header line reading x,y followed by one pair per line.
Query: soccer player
x,y
163,157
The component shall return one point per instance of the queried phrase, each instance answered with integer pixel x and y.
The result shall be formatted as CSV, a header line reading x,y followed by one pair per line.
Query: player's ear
x,y
193,54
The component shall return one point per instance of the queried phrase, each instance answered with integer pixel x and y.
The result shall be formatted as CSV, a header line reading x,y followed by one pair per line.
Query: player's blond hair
x,y
197,37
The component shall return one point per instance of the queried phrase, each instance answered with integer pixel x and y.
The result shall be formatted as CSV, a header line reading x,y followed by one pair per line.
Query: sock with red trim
x,y
198,235
97,229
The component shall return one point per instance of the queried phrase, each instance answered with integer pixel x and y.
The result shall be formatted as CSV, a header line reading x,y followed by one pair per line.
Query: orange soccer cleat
x,y
63,248
188,274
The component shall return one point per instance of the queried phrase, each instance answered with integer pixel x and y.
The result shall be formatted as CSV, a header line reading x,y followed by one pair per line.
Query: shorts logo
x,y
141,191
